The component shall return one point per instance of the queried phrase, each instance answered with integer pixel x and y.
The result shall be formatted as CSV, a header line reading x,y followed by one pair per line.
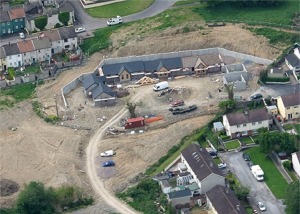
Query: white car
x,y
80,29
261,206
222,165
22,35
107,153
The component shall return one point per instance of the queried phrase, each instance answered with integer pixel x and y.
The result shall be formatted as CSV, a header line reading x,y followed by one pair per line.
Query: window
x,y
253,123
244,124
122,77
17,27
16,20
39,51
58,42
238,126
295,106
24,54
254,131
18,55
65,40
259,122
3,31
15,63
7,23
25,60
67,46
9,57
3,24
10,64
288,108
244,133
127,76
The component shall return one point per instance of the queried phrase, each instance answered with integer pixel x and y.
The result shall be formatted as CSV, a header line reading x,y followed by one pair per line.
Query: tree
x,y
64,18
57,25
227,105
293,198
35,199
229,88
241,192
131,108
41,22
276,141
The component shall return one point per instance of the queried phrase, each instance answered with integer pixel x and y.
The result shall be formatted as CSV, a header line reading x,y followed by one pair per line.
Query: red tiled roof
x,y
17,13
25,46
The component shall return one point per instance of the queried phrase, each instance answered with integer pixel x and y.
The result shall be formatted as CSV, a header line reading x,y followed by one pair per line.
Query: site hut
x,y
95,87
134,122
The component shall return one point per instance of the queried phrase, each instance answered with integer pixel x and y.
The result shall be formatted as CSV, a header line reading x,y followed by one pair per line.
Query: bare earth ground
x,y
55,155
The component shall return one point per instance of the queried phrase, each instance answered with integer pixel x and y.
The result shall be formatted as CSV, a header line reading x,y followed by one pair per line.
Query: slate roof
x,y
26,46
291,99
200,161
180,194
33,12
169,63
188,62
67,32
41,43
4,16
255,115
225,202
11,49
210,59
53,35
2,54
67,7
90,79
102,88
293,60
17,13
115,69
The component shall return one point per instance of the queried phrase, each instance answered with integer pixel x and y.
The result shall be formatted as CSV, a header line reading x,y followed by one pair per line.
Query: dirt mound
x,y
8,187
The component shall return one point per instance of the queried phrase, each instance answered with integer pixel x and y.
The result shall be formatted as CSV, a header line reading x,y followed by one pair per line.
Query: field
x,y
270,16
120,8
273,178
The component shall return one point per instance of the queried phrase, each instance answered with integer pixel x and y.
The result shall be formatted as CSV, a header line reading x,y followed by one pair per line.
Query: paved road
x,y
278,90
259,191
90,23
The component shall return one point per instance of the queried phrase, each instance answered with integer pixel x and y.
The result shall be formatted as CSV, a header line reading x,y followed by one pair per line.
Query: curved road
x,y
91,23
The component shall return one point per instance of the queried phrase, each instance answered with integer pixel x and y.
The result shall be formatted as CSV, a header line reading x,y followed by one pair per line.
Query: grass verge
x,y
232,144
279,16
273,178
124,8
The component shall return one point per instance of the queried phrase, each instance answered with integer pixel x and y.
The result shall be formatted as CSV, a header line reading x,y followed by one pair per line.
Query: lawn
x,y
273,178
124,8
232,144
269,16
185,2
246,140
297,126
288,126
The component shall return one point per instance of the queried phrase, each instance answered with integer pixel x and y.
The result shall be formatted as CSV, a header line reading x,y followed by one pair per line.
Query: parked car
x,y
114,21
108,163
177,103
107,153
246,157
261,206
250,164
256,97
80,29
22,35
255,212
222,165
213,154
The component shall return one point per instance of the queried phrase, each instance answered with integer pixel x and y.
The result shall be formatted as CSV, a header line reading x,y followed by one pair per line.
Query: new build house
x,y
289,106
237,75
293,60
246,123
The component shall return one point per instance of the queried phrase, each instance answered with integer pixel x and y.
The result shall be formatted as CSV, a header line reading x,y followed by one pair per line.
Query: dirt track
x,y
55,155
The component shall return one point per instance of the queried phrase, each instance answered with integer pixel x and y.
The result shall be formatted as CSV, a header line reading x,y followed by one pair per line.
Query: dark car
x,y
213,154
256,97
108,163
246,157
250,164
177,103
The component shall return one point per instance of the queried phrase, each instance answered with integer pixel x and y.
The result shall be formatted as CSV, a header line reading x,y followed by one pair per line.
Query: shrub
x,y
64,18
41,22
11,73
277,79
57,25
287,165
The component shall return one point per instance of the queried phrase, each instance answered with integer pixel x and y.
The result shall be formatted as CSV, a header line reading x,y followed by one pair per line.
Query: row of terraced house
x,y
39,48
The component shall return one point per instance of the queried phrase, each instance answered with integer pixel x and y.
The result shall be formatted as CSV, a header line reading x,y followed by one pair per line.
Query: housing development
x,y
155,108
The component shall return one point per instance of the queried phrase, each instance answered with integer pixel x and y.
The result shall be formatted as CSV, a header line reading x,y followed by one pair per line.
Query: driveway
x,y
259,191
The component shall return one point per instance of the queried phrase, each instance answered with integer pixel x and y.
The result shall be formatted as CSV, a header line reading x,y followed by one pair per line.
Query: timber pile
x,y
146,81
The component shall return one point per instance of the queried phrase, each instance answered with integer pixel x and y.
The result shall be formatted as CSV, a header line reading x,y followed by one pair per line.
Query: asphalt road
x,y
259,191
278,90
90,23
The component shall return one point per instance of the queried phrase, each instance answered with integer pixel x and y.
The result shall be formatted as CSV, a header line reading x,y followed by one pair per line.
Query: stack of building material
x,y
146,81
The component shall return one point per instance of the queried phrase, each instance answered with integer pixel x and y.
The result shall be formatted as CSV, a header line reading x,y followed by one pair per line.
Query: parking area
x,y
259,191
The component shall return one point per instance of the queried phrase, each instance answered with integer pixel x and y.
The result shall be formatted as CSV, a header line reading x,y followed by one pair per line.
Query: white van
x,y
161,86
114,21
